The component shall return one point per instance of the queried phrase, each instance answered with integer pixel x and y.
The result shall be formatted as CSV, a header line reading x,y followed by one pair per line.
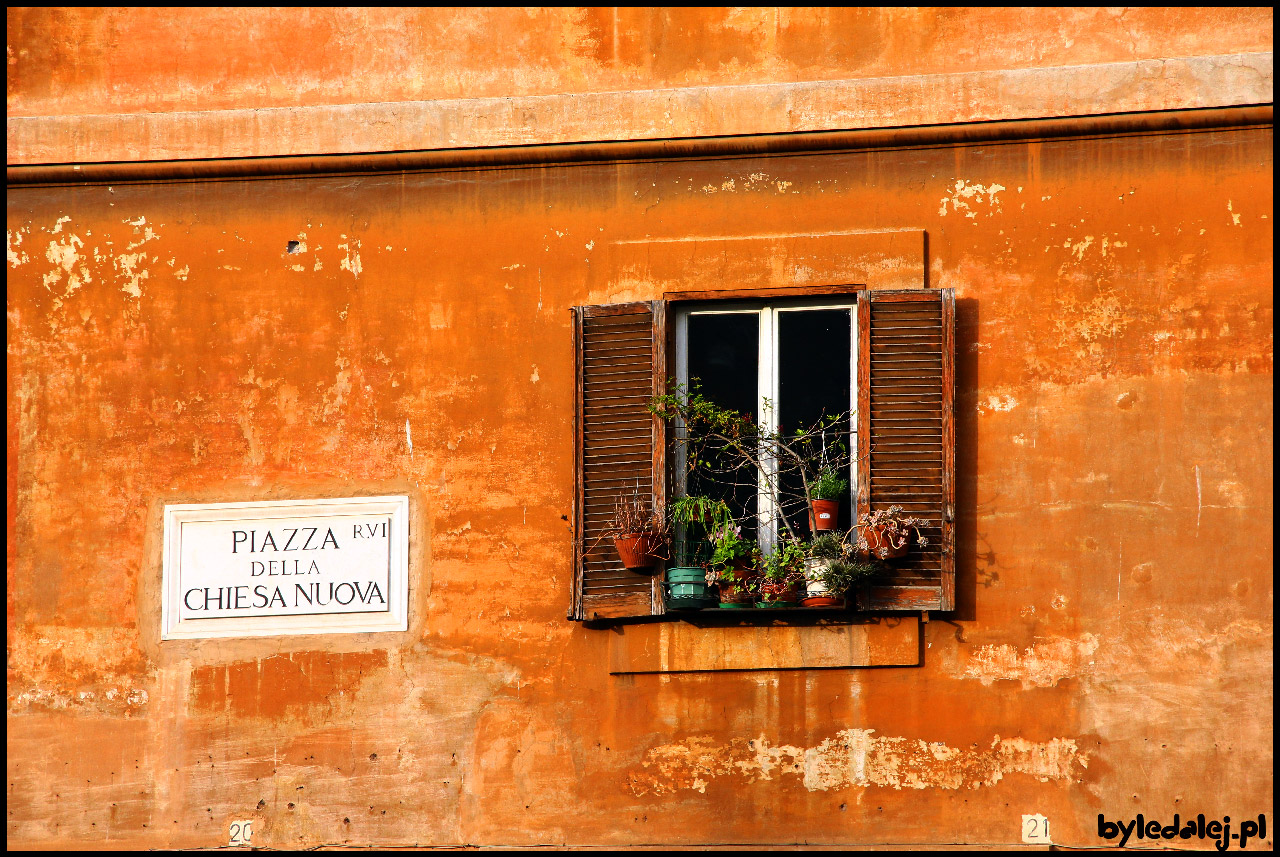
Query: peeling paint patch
x,y
1040,665
336,396
1078,248
13,238
64,254
1099,318
997,403
351,258
128,266
1235,218
55,668
964,196
856,758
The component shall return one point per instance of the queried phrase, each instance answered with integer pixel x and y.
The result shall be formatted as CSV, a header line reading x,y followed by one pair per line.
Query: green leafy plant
x,y
693,519
699,511
728,546
828,546
828,485
733,558
841,575
782,570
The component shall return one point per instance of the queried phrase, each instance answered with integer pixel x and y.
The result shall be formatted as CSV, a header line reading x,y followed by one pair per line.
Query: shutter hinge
x,y
924,617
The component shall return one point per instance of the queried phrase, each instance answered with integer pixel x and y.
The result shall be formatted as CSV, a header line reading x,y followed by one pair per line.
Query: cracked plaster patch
x,y
855,758
1042,664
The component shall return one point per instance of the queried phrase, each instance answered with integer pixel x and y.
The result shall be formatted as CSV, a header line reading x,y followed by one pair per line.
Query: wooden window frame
x,y
906,591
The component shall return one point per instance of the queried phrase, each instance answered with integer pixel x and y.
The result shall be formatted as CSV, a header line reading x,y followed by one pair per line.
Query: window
x,y
788,365
890,358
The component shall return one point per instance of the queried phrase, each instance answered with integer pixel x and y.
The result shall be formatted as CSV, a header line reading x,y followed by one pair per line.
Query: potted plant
x,y
782,577
824,499
823,550
694,517
832,569
640,532
731,566
886,533
841,576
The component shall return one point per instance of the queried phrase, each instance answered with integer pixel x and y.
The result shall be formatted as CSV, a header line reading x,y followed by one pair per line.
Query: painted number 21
x,y
1035,829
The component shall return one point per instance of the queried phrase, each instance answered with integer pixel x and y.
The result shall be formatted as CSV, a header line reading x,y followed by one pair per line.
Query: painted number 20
x,y
241,833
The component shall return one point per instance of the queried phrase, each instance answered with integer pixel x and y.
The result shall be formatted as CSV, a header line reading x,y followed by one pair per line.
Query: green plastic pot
x,y
686,582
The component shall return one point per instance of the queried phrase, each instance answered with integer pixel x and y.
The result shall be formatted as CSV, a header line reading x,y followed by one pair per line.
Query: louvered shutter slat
x,y
620,446
906,437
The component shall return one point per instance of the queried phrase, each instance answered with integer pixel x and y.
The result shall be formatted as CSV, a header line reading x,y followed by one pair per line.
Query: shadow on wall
x,y
975,564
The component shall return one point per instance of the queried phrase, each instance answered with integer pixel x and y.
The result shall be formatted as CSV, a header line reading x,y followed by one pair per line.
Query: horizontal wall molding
x,y
1180,83
762,145
676,647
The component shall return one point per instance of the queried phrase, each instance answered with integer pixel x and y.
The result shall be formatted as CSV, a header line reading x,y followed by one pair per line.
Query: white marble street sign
x,y
285,567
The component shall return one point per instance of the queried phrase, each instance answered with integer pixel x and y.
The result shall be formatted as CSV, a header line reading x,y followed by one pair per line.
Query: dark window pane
x,y
813,387
723,350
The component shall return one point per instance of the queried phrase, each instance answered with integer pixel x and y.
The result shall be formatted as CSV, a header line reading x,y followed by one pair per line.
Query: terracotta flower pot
x,y
823,515
821,601
635,550
775,593
736,593
877,538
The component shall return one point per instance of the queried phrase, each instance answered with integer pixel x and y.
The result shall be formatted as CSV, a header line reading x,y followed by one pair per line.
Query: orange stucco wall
x,y
70,61
1112,650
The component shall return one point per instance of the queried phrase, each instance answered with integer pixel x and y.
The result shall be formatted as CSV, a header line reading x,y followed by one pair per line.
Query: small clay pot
x,y
635,551
824,515
775,593
735,593
877,538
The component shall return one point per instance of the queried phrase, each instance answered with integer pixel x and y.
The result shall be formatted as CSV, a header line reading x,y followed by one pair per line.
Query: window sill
x,y
711,644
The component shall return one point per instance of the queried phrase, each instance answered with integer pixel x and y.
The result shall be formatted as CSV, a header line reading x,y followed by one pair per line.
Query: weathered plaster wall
x,y
93,85
1112,651
72,61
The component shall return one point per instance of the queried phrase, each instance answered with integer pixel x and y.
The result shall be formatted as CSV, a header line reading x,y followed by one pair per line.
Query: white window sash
x,y
767,384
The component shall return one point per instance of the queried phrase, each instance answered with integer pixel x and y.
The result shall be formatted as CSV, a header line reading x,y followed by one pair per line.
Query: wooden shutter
x,y
621,364
906,437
